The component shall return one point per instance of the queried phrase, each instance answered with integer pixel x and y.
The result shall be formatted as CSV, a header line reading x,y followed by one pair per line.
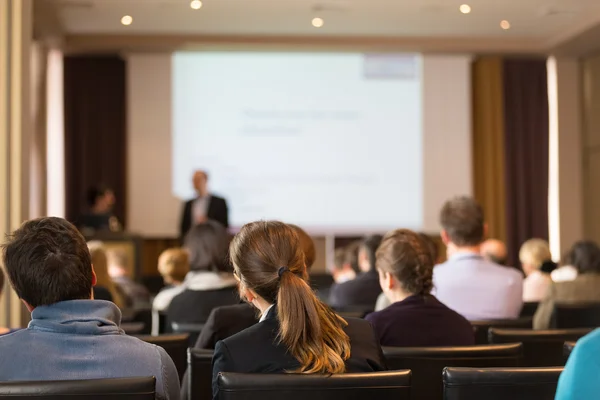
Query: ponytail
x,y
312,332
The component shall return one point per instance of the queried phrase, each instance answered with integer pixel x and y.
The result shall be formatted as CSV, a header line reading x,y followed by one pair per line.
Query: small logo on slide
x,y
391,66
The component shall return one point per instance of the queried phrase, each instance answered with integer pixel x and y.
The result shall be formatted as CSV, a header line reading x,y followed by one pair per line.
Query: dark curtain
x,y
95,130
526,151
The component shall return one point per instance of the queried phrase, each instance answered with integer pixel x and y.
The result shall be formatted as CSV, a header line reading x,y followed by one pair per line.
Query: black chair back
x,y
570,316
427,363
481,328
193,330
568,349
393,385
92,389
529,309
500,383
175,346
200,371
541,348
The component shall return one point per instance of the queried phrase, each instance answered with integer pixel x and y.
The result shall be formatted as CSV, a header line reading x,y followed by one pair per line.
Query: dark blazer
x,y
194,306
421,321
258,350
362,291
217,211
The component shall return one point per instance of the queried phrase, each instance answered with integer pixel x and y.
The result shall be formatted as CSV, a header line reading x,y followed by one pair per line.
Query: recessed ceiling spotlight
x,y
504,24
196,4
465,8
318,22
127,20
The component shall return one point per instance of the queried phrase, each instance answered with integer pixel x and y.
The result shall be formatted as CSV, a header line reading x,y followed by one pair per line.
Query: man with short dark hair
x,y
474,287
70,336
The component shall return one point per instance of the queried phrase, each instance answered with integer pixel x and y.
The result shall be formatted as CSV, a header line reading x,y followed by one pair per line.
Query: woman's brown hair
x,y
268,259
405,255
103,279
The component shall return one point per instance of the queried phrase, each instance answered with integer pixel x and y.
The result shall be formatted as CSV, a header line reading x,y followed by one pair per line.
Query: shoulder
x,y
358,328
257,334
590,342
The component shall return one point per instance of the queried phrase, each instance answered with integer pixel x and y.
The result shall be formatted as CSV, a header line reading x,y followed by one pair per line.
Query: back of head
x,y
432,246
535,252
307,245
585,257
462,220
173,265
369,246
268,259
207,246
47,261
406,256
494,250
351,258
103,279
94,193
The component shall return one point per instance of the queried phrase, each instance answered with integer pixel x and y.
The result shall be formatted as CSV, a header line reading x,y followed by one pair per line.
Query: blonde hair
x,y
100,264
268,258
173,265
535,252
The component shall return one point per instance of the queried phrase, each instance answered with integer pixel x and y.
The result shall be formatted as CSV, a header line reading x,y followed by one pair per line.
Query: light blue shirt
x,y
579,380
478,289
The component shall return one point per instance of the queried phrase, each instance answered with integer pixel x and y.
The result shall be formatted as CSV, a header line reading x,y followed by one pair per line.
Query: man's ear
x,y
445,237
27,305
485,230
389,280
94,279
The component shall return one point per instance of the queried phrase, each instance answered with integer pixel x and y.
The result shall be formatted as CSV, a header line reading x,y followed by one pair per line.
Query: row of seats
x,y
458,384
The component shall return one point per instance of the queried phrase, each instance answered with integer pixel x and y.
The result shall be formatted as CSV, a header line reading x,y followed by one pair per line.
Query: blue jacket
x,y
81,339
579,380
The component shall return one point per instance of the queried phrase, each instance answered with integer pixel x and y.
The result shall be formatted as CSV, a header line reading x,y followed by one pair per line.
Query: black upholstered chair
x,y
200,371
427,363
500,383
541,348
93,389
529,309
481,328
568,349
175,346
570,316
392,385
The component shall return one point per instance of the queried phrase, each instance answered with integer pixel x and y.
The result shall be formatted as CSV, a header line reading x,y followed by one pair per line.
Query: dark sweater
x,y
421,321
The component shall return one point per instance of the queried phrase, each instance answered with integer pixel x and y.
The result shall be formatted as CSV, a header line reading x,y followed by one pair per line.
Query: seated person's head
x,y
269,262
462,223
533,254
100,198
207,247
341,270
584,256
118,263
99,258
47,261
494,250
308,246
173,265
432,246
405,265
366,253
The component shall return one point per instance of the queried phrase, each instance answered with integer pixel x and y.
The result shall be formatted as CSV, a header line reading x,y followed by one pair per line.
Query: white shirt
x,y
200,208
535,286
264,315
564,274
478,289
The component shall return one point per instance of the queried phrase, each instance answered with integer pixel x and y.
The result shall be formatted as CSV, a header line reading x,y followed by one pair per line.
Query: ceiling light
x,y
317,22
196,4
504,24
127,20
465,8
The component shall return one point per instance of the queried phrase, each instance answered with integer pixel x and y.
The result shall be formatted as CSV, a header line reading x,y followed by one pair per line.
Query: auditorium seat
x,y
175,346
567,349
569,316
393,385
427,363
200,371
541,348
529,309
500,383
481,328
193,330
93,389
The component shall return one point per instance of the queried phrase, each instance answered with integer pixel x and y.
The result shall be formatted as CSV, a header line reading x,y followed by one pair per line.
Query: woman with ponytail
x,y
404,261
297,333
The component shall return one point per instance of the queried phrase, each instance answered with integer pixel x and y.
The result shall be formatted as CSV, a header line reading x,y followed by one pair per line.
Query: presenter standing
x,y
204,207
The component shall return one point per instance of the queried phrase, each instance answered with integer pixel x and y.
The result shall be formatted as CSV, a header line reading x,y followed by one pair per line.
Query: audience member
x,y
100,200
494,250
474,287
361,292
342,270
585,257
3,330
136,295
415,318
296,332
566,272
535,254
105,288
209,283
70,336
579,380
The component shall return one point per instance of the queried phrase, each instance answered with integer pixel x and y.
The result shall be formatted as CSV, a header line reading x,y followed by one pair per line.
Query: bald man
x,y
203,207
494,250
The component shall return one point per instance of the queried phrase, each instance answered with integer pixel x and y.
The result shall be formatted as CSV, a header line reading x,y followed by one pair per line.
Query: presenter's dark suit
x,y
217,211
361,292
258,350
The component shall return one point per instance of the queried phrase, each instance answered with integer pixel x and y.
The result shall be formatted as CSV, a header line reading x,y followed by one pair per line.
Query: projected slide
x,y
331,142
